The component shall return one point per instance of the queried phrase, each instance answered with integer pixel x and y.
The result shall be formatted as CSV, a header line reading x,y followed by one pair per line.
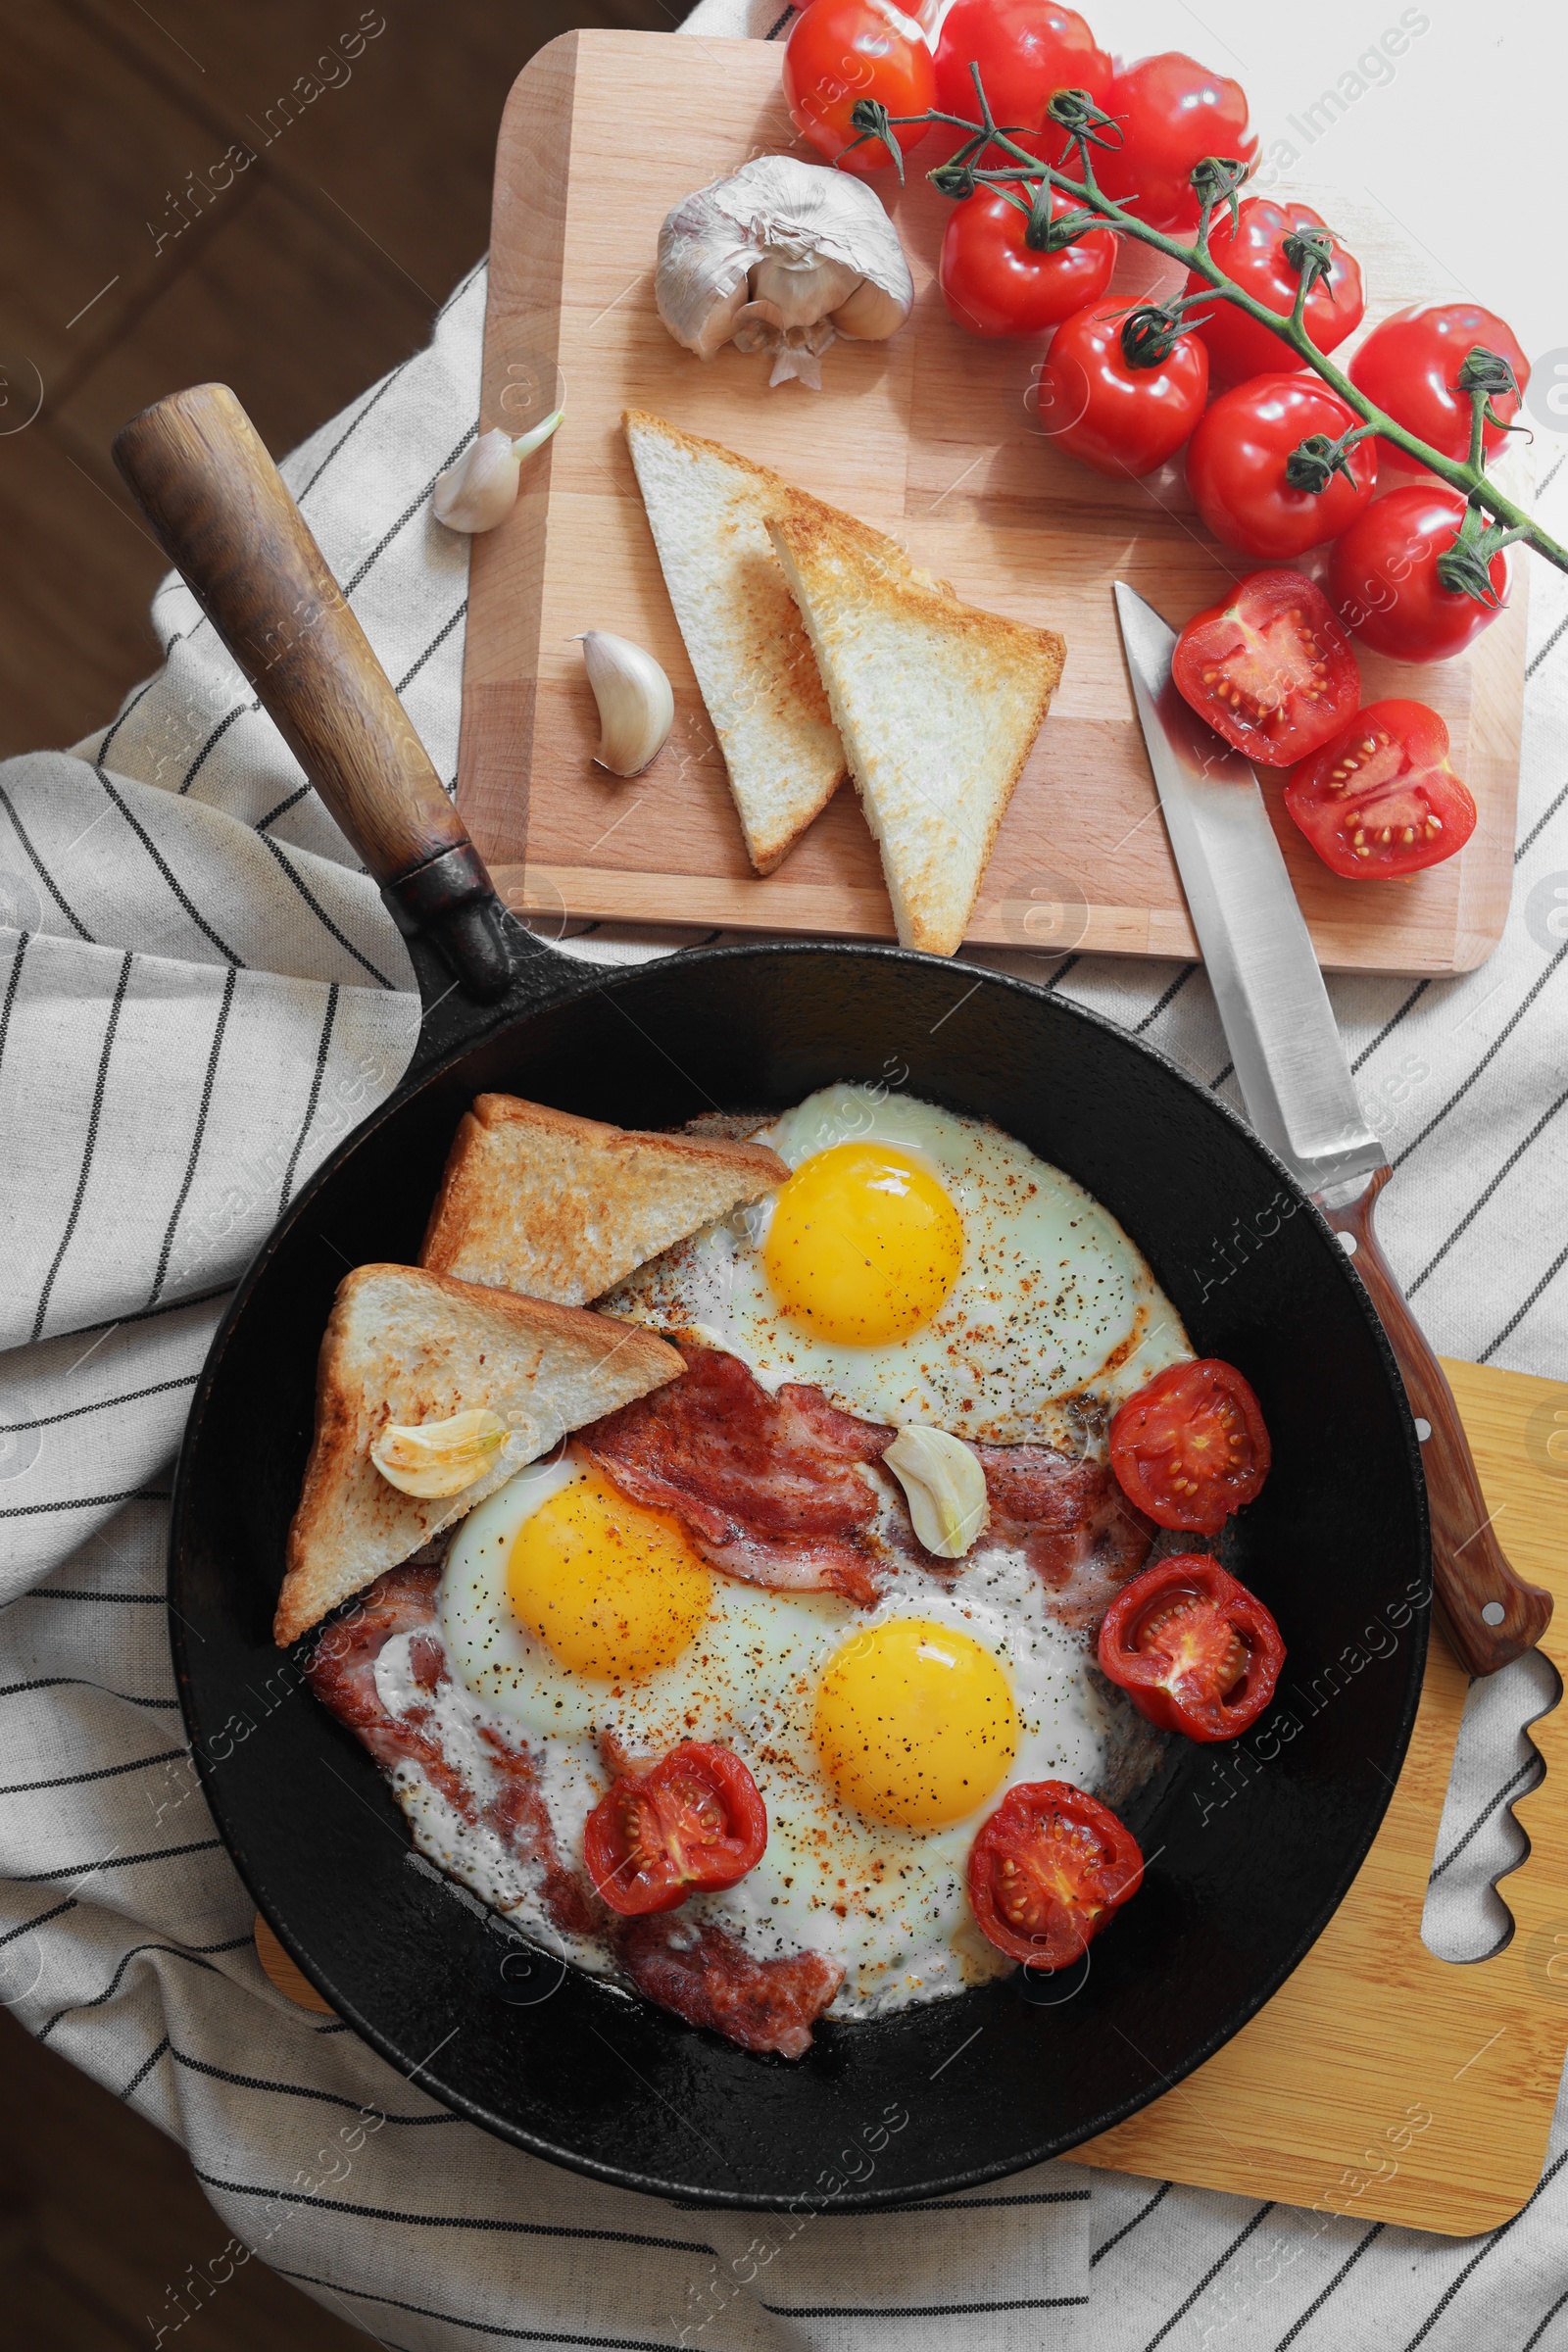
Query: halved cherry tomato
x,y
1049,1870
1381,799
1026,51
1195,1651
995,283
1254,254
1109,414
1410,364
1383,576
840,51
1270,668
1192,1447
694,1821
1173,111
1237,460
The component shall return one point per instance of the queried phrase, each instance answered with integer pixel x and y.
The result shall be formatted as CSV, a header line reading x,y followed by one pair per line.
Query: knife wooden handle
x,y
1491,1615
203,477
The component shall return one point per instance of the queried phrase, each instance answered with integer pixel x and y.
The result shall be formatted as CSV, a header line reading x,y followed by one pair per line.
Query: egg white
x,y
1054,1320
887,1902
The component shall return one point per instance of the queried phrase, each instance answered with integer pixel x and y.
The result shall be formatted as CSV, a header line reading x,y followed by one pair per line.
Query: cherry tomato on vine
x,y
1172,111
1108,414
1025,52
1410,364
1049,1870
1192,1447
843,50
695,1820
1254,254
1237,460
1383,576
1381,800
1195,1651
995,283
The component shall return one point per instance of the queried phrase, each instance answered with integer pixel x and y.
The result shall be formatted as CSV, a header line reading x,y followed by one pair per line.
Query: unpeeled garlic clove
x,y
945,1487
430,1458
870,313
636,704
481,489
801,287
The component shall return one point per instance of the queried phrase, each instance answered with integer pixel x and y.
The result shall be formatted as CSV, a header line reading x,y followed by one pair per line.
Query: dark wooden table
x,y
134,260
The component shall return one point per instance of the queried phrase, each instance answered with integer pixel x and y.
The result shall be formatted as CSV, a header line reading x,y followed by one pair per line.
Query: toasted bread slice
x,y
708,511
938,706
406,1347
562,1207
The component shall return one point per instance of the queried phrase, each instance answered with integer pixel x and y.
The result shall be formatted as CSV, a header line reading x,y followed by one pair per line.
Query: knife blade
x,y
1290,1062
1300,1093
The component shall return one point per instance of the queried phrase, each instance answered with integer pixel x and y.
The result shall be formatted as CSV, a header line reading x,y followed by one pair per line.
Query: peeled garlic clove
x,y
945,1487
428,1458
870,314
481,489
636,705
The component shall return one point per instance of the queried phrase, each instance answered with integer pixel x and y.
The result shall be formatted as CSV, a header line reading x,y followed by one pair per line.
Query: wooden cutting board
x,y
1380,2082
930,438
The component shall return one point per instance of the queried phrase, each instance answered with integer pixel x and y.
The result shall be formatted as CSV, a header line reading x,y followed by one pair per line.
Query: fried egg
x,y
879,1739
921,1266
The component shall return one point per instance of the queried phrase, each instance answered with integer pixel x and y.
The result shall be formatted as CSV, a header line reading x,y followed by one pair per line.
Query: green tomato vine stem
x,y
1466,476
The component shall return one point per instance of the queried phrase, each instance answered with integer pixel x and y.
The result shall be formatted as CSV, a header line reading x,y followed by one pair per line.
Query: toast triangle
x,y
938,706
406,1346
707,510
560,1208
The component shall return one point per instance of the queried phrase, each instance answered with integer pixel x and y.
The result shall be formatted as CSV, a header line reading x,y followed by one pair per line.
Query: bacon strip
x,y
1077,1528
768,1486
709,1980
341,1670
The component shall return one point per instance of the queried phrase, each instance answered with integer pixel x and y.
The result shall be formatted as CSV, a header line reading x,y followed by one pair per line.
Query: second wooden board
x,y
933,437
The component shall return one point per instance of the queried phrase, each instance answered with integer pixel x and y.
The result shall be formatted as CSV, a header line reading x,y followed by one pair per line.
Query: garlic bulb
x,y
945,1485
780,257
636,705
429,1458
481,489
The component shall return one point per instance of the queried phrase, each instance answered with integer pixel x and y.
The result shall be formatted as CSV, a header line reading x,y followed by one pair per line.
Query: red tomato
x,y
1383,576
1049,1870
1270,668
1195,1651
1119,418
843,50
1025,51
1411,367
1381,799
995,283
694,1821
1236,466
1192,1447
1254,254
1173,111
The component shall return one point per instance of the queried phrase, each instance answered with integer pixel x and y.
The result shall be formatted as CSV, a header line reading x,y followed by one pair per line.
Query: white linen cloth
x,y
200,994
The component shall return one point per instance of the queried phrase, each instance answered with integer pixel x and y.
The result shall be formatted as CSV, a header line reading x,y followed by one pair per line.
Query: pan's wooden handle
x,y
1492,1615
220,506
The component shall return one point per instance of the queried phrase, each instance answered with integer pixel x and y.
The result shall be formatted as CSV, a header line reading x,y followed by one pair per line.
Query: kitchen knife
x,y
1296,1080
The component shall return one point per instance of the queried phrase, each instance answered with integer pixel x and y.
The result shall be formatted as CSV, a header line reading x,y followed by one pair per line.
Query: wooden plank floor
x,y
313,273
129,268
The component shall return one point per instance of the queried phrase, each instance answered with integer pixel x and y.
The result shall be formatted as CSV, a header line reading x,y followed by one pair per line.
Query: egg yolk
x,y
613,1588
864,1246
914,1722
